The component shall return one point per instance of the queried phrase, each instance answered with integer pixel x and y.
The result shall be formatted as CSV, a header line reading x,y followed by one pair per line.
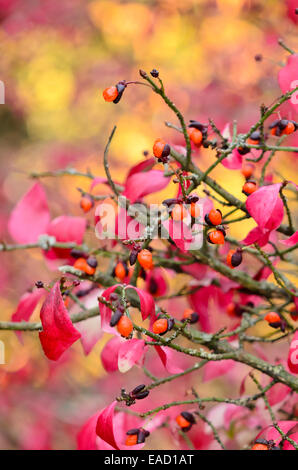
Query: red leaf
x,y
291,241
293,355
288,78
65,229
146,302
26,307
266,207
58,331
30,217
141,184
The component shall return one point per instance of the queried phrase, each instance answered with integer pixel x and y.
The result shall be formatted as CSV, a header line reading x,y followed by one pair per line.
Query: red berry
x,y
259,447
120,271
272,317
216,237
86,203
195,136
110,93
145,259
249,187
131,440
160,326
214,217
125,326
82,265
247,170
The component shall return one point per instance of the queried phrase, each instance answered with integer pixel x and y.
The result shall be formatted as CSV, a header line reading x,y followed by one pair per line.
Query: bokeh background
x,y
55,60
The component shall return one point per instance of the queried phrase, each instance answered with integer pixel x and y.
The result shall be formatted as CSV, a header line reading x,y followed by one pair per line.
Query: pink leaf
x,y
169,358
141,184
266,207
90,333
30,217
130,353
146,302
65,229
291,241
233,161
144,165
87,438
58,331
277,393
215,369
26,307
112,435
288,78
256,235
109,354
293,355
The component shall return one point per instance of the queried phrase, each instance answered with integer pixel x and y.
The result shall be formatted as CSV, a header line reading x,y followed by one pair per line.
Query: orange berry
x,y
120,271
110,93
178,212
145,259
272,317
131,440
231,310
161,148
160,326
82,265
249,187
289,129
247,170
66,302
195,135
125,326
187,312
194,210
86,203
259,447
216,237
214,217
273,131
182,422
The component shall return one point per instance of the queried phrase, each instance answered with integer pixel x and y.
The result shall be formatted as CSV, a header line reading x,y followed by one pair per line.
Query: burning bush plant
x,y
227,321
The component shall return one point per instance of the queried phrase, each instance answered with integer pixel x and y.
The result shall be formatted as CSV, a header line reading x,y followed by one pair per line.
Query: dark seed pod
x,y
222,230
276,324
193,199
198,125
194,317
188,416
92,262
116,317
256,135
142,434
133,431
295,124
169,202
207,220
39,284
274,124
243,150
133,257
113,297
154,73
75,253
120,87
153,286
209,239
261,441
282,124
141,395
171,323
137,389
236,258
166,151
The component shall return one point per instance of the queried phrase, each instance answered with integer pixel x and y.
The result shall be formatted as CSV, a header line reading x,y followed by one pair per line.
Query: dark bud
x,y
255,136
188,416
207,220
116,317
193,198
120,87
75,253
145,153
243,150
276,324
283,123
261,441
137,389
171,323
274,124
169,202
154,73
153,286
258,57
133,256
142,73
194,317
198,125
39,284
142,434
113,297
236,258
92,262
133,431
141,395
